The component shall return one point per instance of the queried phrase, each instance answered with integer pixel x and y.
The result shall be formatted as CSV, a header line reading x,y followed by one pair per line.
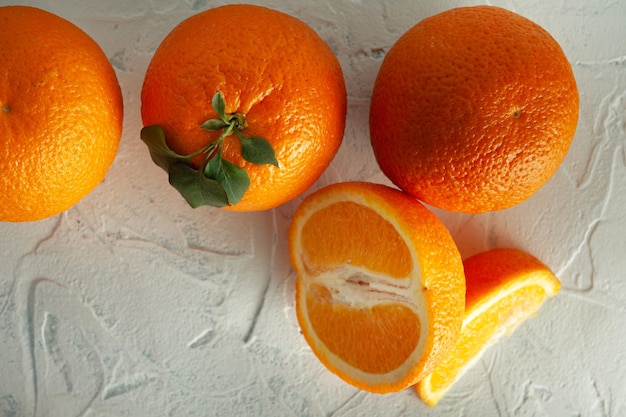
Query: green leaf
x,y
219,106
161,154
219,182
214,124
196,188
233,178
257,150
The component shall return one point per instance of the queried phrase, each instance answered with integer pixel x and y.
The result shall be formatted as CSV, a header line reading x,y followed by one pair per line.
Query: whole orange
x,y
61,114
275,74
473,109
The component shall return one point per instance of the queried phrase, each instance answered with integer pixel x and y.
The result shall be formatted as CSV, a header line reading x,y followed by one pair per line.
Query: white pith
x,y
358,287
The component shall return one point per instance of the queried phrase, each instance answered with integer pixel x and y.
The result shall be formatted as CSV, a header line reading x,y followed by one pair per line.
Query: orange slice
x,y
380,290
504,288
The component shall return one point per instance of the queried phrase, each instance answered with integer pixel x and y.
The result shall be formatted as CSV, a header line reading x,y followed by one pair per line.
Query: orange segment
x,y
380,287
334,225
505,287
383,324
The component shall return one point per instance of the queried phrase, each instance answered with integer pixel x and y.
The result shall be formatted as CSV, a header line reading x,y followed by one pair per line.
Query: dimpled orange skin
x,y
61,114
473,109
269,66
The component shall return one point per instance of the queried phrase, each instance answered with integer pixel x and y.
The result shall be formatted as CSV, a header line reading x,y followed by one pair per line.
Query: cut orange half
x,y
504,288
380,290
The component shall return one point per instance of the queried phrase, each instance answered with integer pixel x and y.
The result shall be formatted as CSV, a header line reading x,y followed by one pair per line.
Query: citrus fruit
x,y
60,114
234,76
473,109
380,287
505,287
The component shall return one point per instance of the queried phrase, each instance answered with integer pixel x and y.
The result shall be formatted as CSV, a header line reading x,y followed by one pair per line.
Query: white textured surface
x,y
132,304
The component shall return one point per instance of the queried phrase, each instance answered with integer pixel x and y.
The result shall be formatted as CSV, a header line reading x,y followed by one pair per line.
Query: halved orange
x,y
505,287
380,290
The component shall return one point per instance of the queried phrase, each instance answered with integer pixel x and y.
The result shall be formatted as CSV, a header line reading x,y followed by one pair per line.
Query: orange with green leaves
x,y
244,107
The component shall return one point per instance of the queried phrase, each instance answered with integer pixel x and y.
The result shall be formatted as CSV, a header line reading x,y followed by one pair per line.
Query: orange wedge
x,y
380,290
504,288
